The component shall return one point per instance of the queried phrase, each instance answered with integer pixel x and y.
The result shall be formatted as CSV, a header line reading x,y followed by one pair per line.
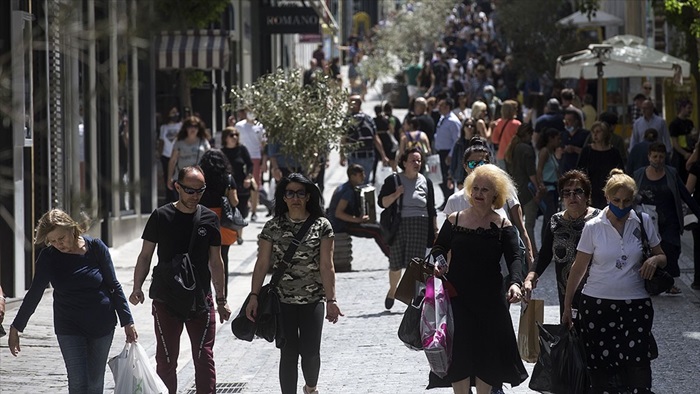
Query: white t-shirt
x,y
458,202
168,134
252,136
614,270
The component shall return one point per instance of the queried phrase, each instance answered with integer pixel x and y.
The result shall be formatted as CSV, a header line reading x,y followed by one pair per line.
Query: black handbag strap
x,y
289,253
397,183
645,241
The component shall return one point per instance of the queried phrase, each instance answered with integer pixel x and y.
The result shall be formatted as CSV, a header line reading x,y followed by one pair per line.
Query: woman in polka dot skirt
x,y
615,313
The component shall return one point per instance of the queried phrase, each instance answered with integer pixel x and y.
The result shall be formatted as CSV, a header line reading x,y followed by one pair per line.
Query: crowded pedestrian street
x,y
360,354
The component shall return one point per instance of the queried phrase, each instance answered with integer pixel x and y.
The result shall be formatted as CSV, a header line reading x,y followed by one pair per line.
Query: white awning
x,y
194,49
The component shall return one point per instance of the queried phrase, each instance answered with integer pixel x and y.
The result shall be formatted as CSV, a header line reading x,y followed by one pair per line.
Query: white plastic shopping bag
x,y
133,372
437,326
433,171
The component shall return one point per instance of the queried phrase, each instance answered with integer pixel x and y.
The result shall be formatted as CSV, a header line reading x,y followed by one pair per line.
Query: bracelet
x,y
332,301
253,294
221,300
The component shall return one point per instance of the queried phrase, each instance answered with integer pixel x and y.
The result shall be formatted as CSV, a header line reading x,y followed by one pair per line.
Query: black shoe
x,y
695,286
388,303
239,241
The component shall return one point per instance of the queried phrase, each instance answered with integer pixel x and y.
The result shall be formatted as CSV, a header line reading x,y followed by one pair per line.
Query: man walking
x,y
650,120
252,136
173,227
446,135
363,135
165,143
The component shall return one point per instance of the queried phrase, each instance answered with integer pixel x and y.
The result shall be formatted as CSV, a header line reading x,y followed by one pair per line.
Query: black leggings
x,y
303,325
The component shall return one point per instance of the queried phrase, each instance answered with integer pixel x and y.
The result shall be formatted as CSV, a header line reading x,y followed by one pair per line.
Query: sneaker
x,y
695,286
674,290
307,390
253,217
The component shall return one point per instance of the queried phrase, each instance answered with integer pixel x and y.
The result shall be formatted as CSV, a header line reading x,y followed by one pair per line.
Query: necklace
x,y
585,211
296,220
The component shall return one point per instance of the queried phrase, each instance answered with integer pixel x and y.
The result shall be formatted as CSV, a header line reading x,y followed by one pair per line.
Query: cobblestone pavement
x,y
361,353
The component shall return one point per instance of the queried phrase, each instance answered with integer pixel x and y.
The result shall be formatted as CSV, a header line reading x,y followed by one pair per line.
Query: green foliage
x,y
684,14
402,40
534,36
305,120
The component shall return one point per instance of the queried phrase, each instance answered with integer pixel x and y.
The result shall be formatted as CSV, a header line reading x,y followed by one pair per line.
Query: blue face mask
x,y
619,212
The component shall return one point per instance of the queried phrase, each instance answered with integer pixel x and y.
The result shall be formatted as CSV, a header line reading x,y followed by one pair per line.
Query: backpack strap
x,y
195,225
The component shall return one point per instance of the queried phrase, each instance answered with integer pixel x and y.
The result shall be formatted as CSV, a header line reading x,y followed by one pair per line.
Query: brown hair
x,y
193,121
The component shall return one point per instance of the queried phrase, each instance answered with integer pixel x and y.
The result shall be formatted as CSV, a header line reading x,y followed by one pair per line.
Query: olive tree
x,y
307,121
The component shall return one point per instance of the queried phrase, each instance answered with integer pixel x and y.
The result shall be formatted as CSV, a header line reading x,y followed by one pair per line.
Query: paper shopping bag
x,y
528,336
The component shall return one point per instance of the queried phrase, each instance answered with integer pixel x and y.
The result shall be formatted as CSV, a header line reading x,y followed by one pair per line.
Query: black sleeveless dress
x,y
485,344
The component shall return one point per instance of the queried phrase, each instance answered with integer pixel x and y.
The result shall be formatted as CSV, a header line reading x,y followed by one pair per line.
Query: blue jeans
x,y
86,360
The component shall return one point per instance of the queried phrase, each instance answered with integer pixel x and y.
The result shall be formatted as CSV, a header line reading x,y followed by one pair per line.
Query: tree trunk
x,y
184,91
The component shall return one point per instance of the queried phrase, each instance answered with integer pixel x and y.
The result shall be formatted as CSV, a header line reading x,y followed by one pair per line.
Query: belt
x,y
361,155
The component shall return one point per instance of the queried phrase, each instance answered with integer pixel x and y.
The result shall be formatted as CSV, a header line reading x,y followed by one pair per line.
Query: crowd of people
x,y
502,164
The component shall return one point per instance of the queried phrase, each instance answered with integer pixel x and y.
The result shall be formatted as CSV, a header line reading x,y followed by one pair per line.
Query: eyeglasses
x,y
568,193
647,88
233,135
472,164
190,190
301,193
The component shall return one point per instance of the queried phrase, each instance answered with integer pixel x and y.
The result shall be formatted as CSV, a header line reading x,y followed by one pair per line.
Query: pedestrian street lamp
x,y
602,52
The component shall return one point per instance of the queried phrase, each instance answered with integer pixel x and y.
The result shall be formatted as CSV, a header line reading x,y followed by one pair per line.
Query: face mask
x,y
488,96
656,166
619,213
250,116
174,117
570,129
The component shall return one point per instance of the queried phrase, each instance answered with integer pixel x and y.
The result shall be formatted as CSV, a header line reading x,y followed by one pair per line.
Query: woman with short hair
x,y
615,313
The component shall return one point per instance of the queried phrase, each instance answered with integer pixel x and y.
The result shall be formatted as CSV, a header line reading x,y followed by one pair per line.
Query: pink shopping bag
x,y
437,326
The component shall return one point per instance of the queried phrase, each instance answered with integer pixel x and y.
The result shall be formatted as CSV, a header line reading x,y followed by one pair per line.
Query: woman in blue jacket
x,y
86,297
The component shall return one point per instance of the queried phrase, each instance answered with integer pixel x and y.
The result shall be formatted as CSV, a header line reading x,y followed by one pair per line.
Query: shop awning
x,y
195,49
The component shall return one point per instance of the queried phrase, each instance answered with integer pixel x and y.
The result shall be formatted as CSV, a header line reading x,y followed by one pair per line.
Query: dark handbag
x,y
267,324
390,218
409,329
662,281
418,270
231,217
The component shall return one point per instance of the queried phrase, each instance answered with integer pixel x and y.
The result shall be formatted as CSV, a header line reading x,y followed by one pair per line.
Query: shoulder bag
x,y
390,218
231,217
267,324
662,280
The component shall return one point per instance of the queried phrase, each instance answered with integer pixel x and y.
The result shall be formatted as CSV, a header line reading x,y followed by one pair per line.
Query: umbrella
x,y
620,57
600,18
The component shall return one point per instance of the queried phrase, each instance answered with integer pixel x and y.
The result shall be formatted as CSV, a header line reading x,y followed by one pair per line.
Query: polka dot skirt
x,y
616,332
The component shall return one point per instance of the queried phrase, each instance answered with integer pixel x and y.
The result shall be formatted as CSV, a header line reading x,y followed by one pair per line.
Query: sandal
x,y
674,290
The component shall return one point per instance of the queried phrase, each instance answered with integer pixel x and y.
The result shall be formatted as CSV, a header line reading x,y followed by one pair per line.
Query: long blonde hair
x,y
57,218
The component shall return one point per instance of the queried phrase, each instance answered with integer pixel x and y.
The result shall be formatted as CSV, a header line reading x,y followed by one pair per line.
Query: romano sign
x,y
282,20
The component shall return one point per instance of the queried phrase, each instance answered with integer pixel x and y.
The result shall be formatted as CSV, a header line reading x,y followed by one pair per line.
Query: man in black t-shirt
x,y
361,138
170,227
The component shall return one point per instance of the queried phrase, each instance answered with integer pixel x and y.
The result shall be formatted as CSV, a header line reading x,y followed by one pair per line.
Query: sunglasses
x,y
472,164
295,193
233,135
190,190
566,193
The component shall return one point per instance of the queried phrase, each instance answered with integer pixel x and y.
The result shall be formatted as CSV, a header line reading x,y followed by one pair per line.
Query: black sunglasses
x,y
190,190
295,193
472,164
572,193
